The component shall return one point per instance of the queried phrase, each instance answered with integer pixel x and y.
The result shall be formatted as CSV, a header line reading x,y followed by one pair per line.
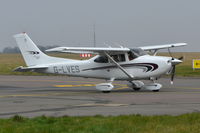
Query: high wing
x,y
95,50
99,50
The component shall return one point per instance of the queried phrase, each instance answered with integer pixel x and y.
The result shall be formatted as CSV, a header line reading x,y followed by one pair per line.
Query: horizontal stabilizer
x,y
27,69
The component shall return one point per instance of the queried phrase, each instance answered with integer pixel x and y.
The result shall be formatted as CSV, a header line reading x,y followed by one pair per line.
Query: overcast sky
x,y
130,23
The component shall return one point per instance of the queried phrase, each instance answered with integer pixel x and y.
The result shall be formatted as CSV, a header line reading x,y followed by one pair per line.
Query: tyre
x,y
106,91
136,89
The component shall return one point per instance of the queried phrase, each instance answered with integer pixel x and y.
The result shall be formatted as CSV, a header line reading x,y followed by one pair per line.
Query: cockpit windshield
x,y
136,52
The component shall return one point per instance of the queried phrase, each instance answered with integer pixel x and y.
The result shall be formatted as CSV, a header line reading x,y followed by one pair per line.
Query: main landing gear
x,y
105,87
136,85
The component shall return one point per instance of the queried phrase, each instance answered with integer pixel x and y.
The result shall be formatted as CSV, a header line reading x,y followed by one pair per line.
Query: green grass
x,y
187,123
184,71
10,61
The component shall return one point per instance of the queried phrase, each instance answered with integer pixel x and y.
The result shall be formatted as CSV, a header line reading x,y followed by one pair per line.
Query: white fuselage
x,y
142,67
111,63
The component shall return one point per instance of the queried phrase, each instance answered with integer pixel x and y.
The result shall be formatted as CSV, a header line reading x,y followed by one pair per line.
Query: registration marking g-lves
x,y
66,69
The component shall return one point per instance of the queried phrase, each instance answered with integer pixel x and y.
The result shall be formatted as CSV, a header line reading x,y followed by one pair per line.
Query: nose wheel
x,y
137,85
155,90
105,91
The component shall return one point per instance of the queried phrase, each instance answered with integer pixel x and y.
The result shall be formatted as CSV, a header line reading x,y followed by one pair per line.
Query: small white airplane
x,y
130,64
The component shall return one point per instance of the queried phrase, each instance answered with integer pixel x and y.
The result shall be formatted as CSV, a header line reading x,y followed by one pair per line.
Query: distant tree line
x,y
11,50
16,49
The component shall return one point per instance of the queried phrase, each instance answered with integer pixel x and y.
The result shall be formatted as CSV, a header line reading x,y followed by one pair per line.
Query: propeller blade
x,y
173,74
181,58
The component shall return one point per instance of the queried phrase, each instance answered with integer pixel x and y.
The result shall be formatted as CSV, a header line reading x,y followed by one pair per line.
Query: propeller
x,y
174,63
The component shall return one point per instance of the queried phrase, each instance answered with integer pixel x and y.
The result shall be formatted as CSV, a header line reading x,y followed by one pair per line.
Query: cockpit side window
x,y
122,57
101,59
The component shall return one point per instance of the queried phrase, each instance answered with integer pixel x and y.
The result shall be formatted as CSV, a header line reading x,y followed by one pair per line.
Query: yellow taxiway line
x,y
122,86
81,85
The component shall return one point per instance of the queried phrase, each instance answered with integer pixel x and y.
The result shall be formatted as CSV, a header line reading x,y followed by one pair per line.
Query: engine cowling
x,y
104,87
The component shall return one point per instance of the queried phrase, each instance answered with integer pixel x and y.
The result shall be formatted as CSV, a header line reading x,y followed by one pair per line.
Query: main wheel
x,y
136,89
106,91
156,90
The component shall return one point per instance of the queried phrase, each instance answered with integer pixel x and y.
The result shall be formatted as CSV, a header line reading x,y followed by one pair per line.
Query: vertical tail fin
x,y
31,53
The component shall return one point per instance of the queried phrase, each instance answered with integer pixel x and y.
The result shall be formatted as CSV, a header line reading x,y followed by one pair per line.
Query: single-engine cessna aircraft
x,y
130,64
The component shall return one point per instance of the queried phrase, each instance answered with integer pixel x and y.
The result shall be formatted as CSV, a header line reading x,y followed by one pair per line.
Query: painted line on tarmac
x,y
58,81
23,95
87,83
81,85
187,88
105,105
42,95
86,92
122,86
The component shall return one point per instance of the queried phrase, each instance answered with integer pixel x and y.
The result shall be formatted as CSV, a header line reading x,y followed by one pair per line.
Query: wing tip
x,y
20,34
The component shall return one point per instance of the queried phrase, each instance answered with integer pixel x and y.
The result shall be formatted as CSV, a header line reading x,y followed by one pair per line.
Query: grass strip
x,y
187,123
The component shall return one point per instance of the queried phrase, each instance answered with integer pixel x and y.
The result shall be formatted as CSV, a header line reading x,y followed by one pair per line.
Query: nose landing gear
x,y
137,85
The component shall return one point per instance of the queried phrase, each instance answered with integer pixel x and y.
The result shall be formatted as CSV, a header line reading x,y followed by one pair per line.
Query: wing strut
x,y
120,67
